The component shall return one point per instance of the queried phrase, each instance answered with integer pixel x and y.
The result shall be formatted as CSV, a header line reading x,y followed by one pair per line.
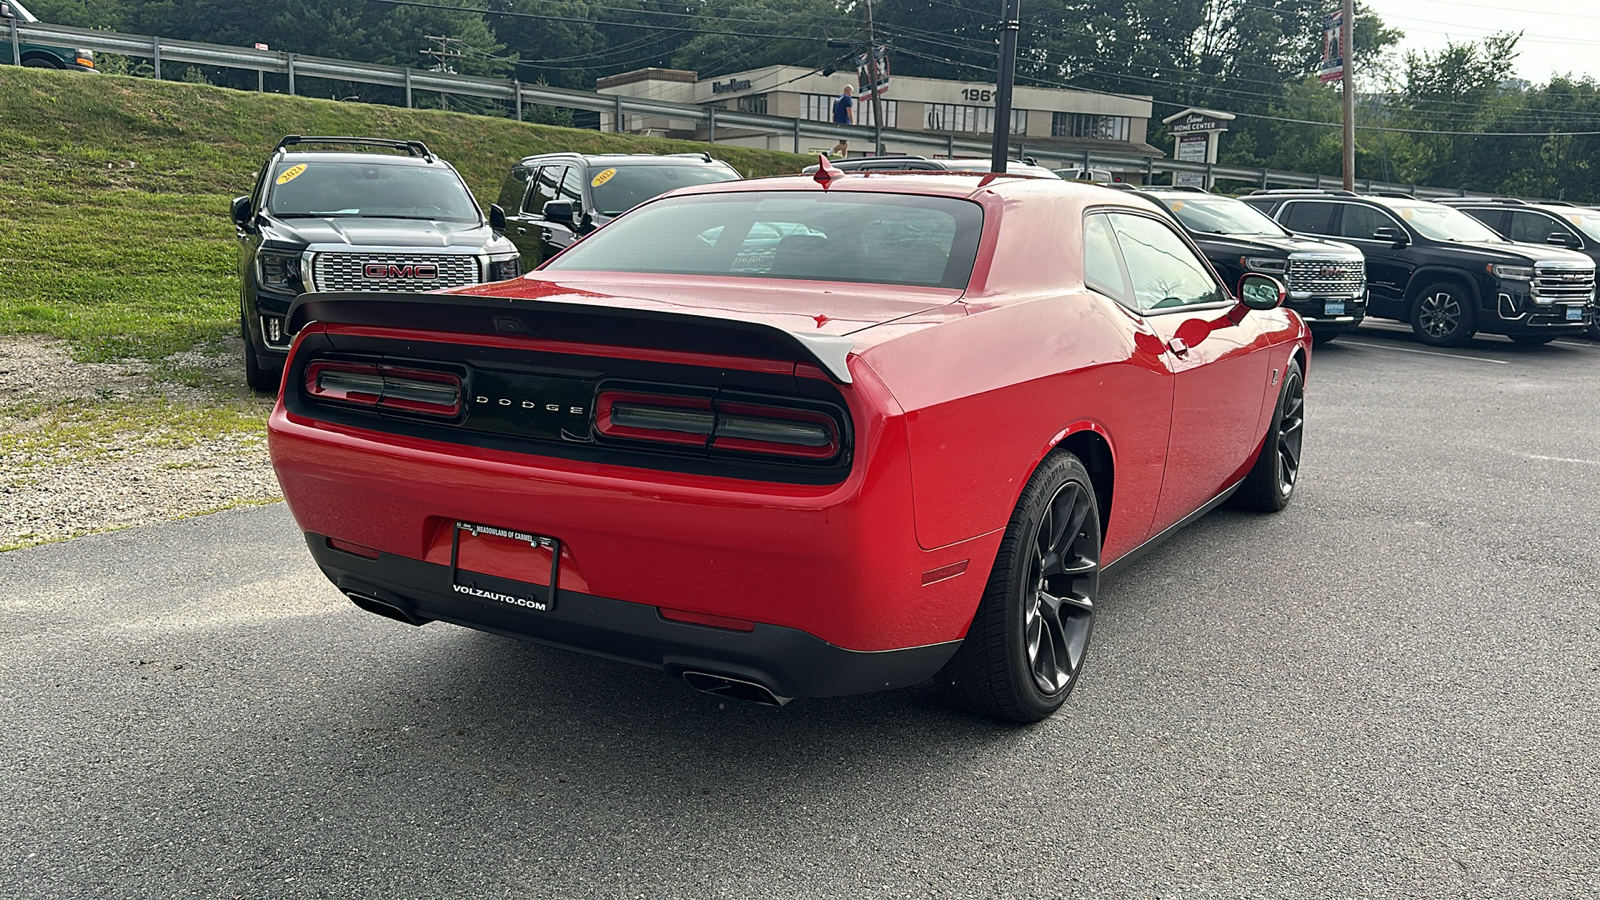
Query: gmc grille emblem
x,y
1330,272
422,271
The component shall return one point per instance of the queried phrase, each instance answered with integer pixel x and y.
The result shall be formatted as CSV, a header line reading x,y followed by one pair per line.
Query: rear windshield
x,y
369,190
852,237
617,190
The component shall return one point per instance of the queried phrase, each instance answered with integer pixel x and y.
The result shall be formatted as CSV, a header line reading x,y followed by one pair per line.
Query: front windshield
x,y
1586,222
369,190
1442,223
1219,215
619,189
851,237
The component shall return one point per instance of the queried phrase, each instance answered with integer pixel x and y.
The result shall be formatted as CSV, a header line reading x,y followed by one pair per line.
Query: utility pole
x,y
1010,24
1347,47
872,73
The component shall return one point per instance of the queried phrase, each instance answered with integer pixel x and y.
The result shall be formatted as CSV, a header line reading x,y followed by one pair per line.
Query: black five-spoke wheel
x,y
1270,484
1026,646
1063,572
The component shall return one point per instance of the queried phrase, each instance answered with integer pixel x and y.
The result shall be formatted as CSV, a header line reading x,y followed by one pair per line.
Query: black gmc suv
x,y
1326,280
377,215
556,198
1560,224
1442,270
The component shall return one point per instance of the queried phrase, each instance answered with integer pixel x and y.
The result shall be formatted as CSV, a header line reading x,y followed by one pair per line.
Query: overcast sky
x,y
1560,36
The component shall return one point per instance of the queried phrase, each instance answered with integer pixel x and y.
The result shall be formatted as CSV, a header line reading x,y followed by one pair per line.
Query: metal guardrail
x,y
164,50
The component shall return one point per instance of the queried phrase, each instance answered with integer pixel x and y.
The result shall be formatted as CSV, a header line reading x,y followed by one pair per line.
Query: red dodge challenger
x,y
803,436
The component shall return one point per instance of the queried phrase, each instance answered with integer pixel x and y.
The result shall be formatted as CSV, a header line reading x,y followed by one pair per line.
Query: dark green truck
x,y
38,56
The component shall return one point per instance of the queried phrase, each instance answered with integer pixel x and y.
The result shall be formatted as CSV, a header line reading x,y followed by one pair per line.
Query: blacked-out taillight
x,y
722,425
756,428
380,386
655,417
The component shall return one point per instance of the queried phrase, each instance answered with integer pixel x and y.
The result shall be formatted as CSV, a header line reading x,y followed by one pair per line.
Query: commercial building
x,y
1055,125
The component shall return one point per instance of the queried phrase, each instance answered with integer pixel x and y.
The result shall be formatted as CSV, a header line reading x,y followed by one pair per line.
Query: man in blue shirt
x,y
844,113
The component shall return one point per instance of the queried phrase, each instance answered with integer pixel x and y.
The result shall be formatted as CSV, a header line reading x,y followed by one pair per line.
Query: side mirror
x,y
240,210
1393,235
1258,291
497,217
561,213
1563,239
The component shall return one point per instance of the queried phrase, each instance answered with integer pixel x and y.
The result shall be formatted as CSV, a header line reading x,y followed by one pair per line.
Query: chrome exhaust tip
x,y
383,608
737,688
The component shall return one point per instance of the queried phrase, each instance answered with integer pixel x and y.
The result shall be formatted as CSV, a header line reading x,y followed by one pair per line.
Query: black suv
x,y
390,217
1561,224
1326,280
556,198
1442,270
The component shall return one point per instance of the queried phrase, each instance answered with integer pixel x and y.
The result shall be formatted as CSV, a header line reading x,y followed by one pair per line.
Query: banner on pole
x,y
1332,48
864,86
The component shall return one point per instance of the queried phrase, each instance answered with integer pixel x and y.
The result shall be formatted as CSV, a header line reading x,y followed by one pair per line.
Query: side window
x,y
1102,269
572,187
515,188
1362,221
1534,228
544,189
1166,274
1309,217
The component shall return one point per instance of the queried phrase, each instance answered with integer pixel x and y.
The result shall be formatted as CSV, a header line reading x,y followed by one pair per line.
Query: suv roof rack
x,y
414,148
1394,195
703,155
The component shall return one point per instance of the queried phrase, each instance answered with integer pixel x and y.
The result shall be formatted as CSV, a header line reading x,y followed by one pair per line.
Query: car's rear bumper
x,y
787,661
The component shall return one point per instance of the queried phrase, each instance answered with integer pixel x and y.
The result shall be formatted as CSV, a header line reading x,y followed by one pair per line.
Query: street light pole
x,y
872,73
1010,24
1347,48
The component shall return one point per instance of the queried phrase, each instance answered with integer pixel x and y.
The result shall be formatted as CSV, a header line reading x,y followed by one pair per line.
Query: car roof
x,y
627,159
962,185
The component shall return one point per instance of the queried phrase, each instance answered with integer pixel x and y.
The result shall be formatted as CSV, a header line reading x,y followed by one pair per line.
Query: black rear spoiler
x,y
576,322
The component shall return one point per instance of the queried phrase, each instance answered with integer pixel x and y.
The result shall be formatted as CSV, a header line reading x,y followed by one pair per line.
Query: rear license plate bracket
x,y
505,590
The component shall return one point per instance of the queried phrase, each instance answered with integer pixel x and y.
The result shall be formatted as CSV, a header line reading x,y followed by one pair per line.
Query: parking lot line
x,y
1565,459
1350,343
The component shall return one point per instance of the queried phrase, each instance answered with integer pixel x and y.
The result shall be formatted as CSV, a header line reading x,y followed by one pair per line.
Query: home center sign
x,y
1195,133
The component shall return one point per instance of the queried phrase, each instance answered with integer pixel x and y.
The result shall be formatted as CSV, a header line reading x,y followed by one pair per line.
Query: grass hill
x,y
114,232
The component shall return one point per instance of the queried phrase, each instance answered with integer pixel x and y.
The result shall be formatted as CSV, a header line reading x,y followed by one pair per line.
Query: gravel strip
x,y
129,478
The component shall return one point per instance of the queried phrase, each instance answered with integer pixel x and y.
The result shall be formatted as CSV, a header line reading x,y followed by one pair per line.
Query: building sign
x,y
731,85
1332,48
864,86
1192,147
1197,122
1189,179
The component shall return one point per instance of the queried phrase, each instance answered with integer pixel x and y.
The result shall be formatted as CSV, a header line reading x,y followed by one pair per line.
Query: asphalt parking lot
x,y
1387,690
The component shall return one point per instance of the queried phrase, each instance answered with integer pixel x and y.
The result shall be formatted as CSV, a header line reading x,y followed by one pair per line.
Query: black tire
x,y
1442,315
39,62
1532,338
256,376
1270,485
1025,649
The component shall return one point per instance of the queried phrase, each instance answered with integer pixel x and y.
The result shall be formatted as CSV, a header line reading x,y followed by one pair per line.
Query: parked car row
x,y
820,434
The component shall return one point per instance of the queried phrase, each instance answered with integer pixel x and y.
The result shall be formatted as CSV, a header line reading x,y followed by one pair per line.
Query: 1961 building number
x,y
978,95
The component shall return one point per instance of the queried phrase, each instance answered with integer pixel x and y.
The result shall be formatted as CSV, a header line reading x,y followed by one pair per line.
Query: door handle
x,y
1178,346
521,230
